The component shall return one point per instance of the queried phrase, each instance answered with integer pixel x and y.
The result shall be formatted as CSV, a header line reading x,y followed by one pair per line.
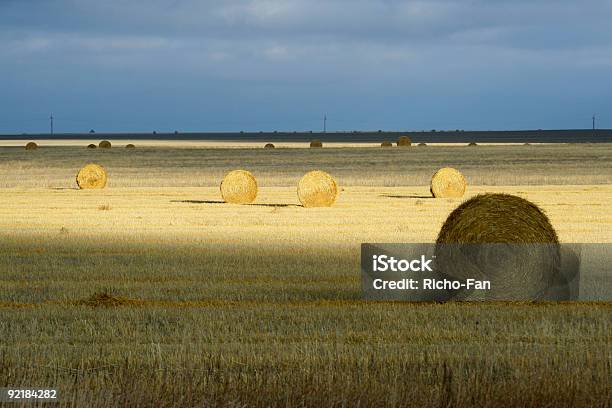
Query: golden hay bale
x,y
317,189
91,146
386,143
269,146
316,143
239,187
105,144
422,144
448,183
31,146
129,146
404,141
91,176
472,144
518,248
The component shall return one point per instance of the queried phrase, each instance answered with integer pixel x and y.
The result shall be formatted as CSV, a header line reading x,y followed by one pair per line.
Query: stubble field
x,y
153,292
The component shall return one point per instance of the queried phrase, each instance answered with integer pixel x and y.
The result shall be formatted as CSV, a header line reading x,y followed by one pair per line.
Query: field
x,y
153,292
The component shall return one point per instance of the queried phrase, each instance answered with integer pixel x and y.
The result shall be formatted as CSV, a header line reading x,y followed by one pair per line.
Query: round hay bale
x,y
92,176
130,146
504,239
239,187
448,183
404,141
316,143
269,146
386,143
472,144
91,146
105,144
422,144
317,189
31,146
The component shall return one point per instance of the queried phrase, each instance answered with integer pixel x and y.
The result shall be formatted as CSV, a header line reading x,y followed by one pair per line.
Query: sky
x,y
265,65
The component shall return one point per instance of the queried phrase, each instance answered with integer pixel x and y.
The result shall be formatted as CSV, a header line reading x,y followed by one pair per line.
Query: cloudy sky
x,y
190,65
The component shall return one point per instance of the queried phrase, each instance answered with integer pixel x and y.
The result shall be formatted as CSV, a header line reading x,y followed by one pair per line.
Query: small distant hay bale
x,y
472,144
386,143
239,187
105,144
422,144
130,146
518,248
448,183
31,146
404,141
91,146
92,176
317,189
269,146
316,143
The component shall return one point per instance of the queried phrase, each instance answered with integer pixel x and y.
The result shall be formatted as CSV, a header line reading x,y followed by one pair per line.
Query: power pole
x,y
325,123
51,122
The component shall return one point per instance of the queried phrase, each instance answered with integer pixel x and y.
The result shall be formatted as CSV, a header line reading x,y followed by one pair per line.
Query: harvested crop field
x,y
156,292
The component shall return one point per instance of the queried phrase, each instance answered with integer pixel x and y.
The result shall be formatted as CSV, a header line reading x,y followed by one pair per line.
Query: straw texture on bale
x,y
239,187
502,238
386,143
92,176
316,143
404,141
105,144
91,146
129,146
31,146
448,183
317,189
269,146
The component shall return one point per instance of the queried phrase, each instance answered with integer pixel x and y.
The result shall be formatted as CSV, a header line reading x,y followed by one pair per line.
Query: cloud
x,y
376,49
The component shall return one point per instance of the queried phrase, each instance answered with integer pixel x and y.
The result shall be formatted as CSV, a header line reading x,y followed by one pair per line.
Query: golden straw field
x,y
153,291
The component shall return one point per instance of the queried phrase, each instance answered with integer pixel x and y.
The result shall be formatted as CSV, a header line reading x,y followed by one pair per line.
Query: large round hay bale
x,y
92,176
317,189
269,146
31,146
130,146
316,143
239,187
386,143
504,239
404,141
448,183
91,146
105,144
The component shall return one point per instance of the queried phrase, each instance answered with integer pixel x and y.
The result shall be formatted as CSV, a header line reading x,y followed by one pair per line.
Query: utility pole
x,y
325,123
51,122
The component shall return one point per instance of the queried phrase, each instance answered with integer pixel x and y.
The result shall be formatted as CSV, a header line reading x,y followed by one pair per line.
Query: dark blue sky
x,y
195,65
